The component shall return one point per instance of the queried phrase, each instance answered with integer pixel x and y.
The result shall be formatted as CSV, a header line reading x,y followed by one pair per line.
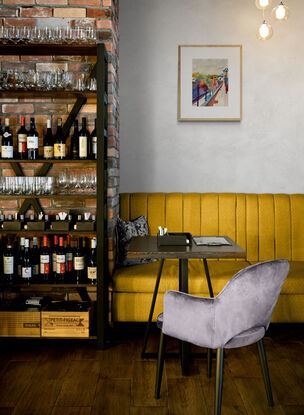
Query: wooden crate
x,y
20,323
65,323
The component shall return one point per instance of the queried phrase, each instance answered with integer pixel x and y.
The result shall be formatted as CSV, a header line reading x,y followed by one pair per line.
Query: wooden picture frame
x,y
209,82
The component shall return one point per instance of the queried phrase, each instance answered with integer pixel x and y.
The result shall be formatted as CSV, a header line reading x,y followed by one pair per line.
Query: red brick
x,y
98,13
79,67
17,2
20,108
6,100
59,108
90,203
82,23
35,99
49,66
103,36
36,12
65,58
68,203
36,58
104,24
45,203
51,2
19,22
86,2
63,12
22,67
11,58
107,3
9,12
9,204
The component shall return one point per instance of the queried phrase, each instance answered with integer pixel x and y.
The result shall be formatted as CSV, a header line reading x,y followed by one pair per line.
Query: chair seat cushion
x,y
246,337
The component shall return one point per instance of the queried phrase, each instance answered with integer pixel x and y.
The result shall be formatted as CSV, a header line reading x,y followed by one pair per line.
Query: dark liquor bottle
x,y
20,259
69,259
84,141
74,152
7,148
8,262
60,260
59,142
35,260
48,142
26,267
92,263
32,141
54,256
45,261
79,263
22,140
1,135
94,142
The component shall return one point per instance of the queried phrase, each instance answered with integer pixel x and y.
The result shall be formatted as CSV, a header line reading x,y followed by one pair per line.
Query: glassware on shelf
x,y
76,183
27,185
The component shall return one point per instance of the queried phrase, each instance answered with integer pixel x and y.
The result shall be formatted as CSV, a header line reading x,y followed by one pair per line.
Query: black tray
x,y
174,239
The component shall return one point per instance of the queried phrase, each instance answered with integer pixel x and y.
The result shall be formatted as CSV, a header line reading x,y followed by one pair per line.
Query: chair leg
x,y
209,363
219,381
160,363
264,365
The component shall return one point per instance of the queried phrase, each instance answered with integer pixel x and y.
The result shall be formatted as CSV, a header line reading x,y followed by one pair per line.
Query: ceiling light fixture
x,y
281,12
263,4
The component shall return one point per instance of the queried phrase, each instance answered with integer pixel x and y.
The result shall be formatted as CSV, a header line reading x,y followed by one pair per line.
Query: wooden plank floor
x,y
73,378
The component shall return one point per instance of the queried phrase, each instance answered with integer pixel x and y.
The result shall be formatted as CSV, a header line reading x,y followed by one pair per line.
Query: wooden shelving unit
x,y
99,71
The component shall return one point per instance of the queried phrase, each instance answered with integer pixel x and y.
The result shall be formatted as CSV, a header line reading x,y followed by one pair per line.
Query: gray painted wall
x,y
262,153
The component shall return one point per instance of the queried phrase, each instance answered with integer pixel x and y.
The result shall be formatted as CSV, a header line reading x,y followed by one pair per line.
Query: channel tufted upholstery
x,y
267,226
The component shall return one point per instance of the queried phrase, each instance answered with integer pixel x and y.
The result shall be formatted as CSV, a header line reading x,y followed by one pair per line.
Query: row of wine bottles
x,y
61,262
83,144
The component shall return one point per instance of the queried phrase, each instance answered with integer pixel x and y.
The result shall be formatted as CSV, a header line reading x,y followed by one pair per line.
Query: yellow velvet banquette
x,y
267,226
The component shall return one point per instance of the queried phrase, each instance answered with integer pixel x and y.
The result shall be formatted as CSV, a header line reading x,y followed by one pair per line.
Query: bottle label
x,y
94,146
59,150
26,272
8,264
22,143
35,269
78,263
83,148
48,152
69,261
7,152
0,143
44,264
60,264
92,273
32,142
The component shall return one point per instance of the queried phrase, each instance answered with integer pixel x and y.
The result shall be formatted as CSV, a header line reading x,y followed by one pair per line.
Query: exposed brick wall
x,y
102,14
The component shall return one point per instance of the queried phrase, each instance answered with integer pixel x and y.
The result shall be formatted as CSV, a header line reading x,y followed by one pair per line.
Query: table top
x,y
146,247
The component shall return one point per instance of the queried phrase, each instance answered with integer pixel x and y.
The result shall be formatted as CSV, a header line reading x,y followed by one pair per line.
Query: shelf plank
x,y
66,196
49,232
48,49
86,162
48,286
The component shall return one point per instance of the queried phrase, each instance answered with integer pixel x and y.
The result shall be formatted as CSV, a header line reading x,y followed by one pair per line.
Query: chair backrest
x,y
248,299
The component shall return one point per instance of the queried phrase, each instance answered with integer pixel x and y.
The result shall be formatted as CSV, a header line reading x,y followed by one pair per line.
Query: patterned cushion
x,y
125,231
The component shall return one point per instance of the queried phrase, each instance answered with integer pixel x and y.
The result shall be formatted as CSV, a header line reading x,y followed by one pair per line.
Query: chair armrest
x,y
189,318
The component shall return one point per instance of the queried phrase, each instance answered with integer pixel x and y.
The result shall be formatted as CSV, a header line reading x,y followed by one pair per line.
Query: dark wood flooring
x,y
46,377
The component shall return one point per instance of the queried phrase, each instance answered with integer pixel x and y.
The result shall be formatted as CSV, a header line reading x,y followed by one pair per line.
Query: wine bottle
x,y
54,256
20,259
22,140
45,261
60,260
79,263
8,262
1,135
84,140
48,142
32,141
26,267
74,152
7,148
35,260
69,259
59,142
94,142
92,263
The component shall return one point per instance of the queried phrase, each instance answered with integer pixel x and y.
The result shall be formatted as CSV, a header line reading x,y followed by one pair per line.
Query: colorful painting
x,y
210,82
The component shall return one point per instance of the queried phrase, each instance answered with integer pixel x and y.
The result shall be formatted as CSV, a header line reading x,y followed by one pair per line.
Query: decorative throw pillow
x,y
124,232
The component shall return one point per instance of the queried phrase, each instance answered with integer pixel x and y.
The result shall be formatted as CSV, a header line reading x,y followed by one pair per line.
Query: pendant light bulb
x,y
264,31
263,4
281,12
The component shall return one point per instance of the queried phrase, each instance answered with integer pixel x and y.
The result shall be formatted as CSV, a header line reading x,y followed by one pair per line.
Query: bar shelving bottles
x,y
99,71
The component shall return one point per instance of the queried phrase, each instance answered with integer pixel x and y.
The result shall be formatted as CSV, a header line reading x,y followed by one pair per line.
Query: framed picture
x,y
209,82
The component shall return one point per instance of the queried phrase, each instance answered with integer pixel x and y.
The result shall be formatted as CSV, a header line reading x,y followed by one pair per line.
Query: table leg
x,y
183,286
209,351
160,268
